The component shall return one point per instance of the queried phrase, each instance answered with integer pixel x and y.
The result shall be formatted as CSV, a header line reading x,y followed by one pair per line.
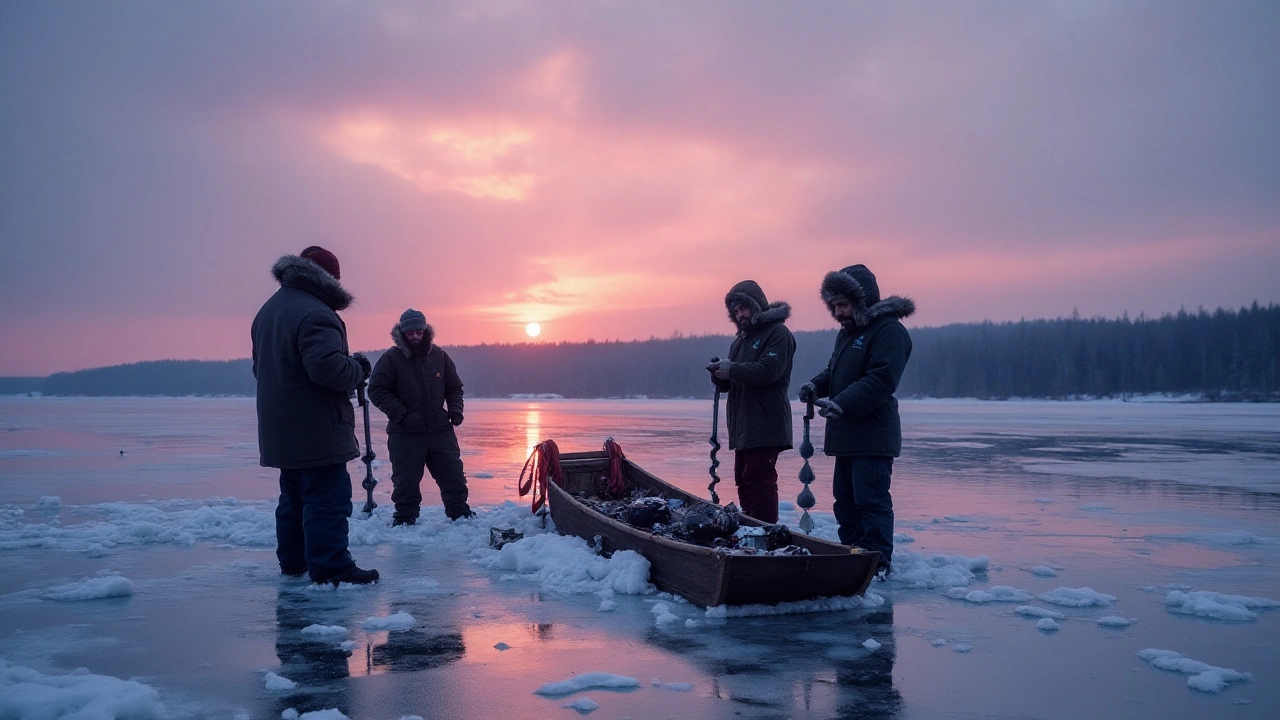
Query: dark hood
x,y
763,312
292,271
397,337
858,284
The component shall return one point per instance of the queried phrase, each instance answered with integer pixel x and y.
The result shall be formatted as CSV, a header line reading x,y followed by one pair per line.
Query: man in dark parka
x,y
756,377
306,425
417,386
855,394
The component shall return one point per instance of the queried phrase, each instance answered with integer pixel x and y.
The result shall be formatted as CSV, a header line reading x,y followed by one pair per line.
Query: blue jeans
x,y
311,521
863,506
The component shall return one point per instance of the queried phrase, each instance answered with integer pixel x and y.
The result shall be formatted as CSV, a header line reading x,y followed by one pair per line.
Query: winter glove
x,y
829,408
720,369
807,391
455,418
365,366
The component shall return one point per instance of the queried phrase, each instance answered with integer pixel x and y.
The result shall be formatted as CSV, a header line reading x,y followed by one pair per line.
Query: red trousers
x,y
755,472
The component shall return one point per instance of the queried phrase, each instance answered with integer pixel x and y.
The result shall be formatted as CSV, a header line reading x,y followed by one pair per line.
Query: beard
x,y
416,346
744,324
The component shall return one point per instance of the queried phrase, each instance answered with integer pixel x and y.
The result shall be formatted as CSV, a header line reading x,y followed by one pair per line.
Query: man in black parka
x,y
756,377
416,384
306,425
855,394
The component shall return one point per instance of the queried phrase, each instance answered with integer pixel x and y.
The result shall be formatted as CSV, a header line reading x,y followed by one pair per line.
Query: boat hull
x,y
703,575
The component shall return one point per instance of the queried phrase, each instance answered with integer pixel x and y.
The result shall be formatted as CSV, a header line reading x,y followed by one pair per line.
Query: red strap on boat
x,y
617,483
543,464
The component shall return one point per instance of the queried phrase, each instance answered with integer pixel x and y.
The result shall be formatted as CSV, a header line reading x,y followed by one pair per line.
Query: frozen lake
x,y
1021,525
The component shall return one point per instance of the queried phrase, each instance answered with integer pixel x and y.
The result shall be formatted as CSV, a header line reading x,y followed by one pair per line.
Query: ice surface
x,y
589,681
187,516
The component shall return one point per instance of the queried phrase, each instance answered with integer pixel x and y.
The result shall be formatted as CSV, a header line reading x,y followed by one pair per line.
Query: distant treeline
x,y
1220,355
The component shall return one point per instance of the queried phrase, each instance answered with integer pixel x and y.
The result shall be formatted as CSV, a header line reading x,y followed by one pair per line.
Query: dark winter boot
x,y
396,522
355,576
293,572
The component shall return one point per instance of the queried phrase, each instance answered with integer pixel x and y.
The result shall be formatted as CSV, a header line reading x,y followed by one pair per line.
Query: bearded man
x,y
416,384
756,377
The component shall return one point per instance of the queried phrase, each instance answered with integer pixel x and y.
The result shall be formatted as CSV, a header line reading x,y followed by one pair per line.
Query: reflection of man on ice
x,y
855,394
416,384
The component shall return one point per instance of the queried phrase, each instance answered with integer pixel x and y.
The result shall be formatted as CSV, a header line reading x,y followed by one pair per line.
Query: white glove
x,y
829,408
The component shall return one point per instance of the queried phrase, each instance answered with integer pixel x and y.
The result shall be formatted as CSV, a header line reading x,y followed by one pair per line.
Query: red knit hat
x,y
325,259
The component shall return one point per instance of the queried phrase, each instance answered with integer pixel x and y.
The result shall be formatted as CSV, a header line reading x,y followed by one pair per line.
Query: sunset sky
x,y
609,169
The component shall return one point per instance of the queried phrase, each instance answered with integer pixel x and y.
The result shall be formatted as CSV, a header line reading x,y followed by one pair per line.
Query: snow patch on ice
x,y
1047,624
27,693
1032,611
588,681
1114,621
998,593
1203,603
400,621
1044,571
1204,677
902,538
926,572
831,604
871,644
324,631
583,705
568,564
90,589
1077,597
279,682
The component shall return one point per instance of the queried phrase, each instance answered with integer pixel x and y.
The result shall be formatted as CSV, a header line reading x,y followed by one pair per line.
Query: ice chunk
x,y
583,705
999,593
324,631
871,644
1044,571
1047,624
279,682
90,589
400,621
1204,677
1114,621
1077,597
1032,611
586,681
1217,605
28,693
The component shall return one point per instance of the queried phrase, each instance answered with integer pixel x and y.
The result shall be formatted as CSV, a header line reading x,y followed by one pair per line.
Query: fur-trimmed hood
x,y
858,284
397,337
293,271
763,312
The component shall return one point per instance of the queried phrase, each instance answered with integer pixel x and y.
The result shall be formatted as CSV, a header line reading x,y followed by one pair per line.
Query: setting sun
x,y
532,329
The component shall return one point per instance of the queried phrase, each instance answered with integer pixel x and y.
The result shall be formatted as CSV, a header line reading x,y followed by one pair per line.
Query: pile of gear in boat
x,y
700,523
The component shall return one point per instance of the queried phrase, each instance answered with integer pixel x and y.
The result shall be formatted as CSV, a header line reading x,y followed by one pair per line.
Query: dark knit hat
x,y
412,320
325,259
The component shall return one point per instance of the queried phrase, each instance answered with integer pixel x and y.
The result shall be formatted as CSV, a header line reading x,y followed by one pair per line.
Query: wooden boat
x,y
703,575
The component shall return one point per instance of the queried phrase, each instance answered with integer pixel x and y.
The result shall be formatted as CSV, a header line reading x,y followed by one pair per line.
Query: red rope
x,y
617,482
543,464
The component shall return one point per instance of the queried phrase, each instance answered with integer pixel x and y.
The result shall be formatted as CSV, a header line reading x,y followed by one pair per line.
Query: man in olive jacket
x,y
416,384
855,394
306,425
756,377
